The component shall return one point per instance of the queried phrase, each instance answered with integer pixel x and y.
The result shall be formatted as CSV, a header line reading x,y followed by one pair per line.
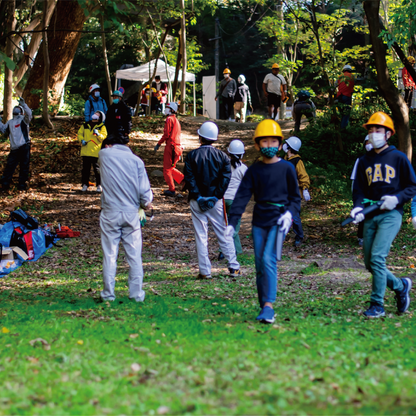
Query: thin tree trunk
x,y
8,74
390,93
106,66
178,67
184,63
45,110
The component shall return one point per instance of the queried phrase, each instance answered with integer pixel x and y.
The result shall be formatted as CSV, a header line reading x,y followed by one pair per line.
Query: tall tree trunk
x,y
178,67
390,93
8,74
184,63
62,47
45,110
106,66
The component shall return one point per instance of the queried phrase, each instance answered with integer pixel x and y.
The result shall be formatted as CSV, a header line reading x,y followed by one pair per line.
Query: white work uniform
x,y
216,217
273,83
126,187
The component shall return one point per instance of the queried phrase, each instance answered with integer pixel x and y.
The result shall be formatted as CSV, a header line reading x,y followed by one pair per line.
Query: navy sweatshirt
x,y
386,173
276,183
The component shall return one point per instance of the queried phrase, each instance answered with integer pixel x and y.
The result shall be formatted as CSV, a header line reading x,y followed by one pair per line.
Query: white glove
x,y
414,221
229,231
389,203
285,221
356,214
306,195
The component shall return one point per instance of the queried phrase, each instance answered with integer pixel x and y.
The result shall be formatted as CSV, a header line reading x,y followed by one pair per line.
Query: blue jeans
x,y
297,226
265,253
345,110
379,233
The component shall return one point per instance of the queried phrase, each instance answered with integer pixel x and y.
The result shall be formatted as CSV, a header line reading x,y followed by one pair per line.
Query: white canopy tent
x,y
166,72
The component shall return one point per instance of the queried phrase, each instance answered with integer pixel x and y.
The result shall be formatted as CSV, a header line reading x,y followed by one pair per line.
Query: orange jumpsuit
x,y
173,150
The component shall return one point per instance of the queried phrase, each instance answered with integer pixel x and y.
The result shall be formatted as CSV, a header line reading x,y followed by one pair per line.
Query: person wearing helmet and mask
x,y
274,185
207,175
241,98
384,174
94,102
18,131
118,121
238,169
227,90
173,149
91,134
291,147
408,82
346,84
273,84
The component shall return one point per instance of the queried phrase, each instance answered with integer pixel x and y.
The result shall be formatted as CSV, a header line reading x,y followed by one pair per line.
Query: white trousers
x,y
124,226
200,222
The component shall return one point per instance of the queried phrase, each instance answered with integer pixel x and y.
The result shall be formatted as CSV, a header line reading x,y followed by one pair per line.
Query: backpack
x,y
24,241
20,216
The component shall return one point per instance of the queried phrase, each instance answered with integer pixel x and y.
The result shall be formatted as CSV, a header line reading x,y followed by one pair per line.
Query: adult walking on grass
x,y
273,86
384,174
126,189
207,175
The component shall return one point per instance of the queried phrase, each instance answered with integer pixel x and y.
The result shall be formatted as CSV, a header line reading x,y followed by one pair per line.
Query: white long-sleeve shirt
x,y
14,128
124,180
236,177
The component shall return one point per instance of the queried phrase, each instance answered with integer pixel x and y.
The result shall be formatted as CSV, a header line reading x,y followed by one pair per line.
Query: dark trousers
x,y
87,161
20,156
408,96
297,226
300,110
345,110
226,108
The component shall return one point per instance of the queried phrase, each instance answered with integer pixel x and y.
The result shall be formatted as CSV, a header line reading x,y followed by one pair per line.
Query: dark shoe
x,y
402,296
169,193
204,276
360,241
235,272
266,315
374,311
5,188
21,188
298,241
183,186
221,256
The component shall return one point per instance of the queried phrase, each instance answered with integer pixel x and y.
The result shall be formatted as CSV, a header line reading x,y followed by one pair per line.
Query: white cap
x,y
173,106
347,68
93,87
236,147
209,131
294,143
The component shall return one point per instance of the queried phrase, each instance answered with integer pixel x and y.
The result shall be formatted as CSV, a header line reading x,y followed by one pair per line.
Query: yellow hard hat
x,y
226,71
411,59
275,66
267,128
380,119
147,87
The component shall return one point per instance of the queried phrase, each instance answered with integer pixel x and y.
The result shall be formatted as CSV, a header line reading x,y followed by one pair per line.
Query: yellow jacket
x,y
93,145
303,178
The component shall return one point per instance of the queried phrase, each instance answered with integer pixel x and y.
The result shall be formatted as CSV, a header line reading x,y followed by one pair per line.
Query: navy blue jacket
x,y
274,183
386,173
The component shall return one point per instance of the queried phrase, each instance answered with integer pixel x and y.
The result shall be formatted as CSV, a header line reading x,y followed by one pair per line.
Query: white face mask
x,y
368,147
285,147
378,140
168,112
226,76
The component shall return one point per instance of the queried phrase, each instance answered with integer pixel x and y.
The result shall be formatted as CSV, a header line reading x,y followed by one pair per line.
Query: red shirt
x,y
407,80
346,86
172,132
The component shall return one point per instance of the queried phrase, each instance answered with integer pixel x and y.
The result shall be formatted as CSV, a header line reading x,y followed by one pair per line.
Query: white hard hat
x,y
209,131
347,68
173,106
236,147
93,87
242,77
294,143
102,115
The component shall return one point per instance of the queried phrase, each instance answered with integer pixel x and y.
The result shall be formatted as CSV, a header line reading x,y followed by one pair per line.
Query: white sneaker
x,y
99,189
84,188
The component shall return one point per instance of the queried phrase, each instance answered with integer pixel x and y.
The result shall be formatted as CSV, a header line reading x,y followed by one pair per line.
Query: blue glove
x,y
157,147
21,101
202,202
96,132
83,142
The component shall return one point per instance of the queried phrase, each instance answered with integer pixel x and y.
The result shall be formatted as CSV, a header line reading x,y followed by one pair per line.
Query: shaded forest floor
x,y
193,347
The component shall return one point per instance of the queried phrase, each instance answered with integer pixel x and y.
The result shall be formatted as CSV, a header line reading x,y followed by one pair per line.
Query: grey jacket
x,y
227,90
18,128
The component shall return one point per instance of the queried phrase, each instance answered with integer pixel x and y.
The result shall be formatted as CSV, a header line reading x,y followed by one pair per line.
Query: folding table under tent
x,y
165,71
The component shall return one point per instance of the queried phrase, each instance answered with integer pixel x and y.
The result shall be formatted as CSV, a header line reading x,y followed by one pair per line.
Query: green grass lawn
x,y
193,347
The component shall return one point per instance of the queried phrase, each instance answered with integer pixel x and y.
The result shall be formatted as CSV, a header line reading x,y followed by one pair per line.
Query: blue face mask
x,y
269,151
116,100
97,93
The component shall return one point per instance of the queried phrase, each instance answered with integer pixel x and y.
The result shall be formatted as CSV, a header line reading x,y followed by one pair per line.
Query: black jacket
x,y
207,172
118,121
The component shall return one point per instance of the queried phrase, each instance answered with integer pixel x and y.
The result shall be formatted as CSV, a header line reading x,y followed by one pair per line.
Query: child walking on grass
x,y
384,174
274,184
